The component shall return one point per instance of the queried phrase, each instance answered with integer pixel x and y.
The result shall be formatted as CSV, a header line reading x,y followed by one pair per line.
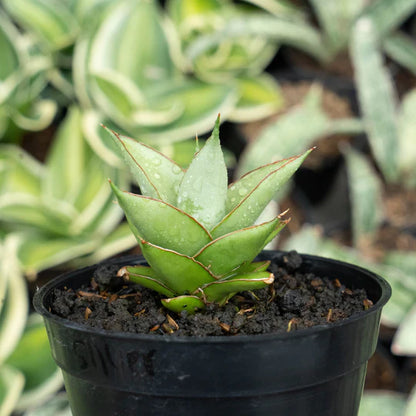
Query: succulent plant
x,y
60,210
198,236
22,80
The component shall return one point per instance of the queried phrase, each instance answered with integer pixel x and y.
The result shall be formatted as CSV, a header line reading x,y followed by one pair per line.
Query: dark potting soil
x,y
295,300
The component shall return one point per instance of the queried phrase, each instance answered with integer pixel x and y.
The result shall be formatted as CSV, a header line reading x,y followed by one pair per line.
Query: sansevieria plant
x,y
199,235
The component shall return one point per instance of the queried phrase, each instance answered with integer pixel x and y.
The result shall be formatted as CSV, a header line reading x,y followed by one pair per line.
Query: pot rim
x,y
299,333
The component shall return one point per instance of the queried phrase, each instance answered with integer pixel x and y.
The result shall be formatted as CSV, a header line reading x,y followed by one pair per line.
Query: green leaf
x,y
259,97
402,49
411,403
42,377
365,195
11,385
376,96
115,44
407,132
66,159
51,20
41,251
336,19
181,273
257,266
188,303
387,15
404,342
56,406
380,403
162,224
20,172
226,253
293,32
146,277
14,300
200,104
202,192
157,176
288,135
237,191
9,54
221,290
119,92
256,199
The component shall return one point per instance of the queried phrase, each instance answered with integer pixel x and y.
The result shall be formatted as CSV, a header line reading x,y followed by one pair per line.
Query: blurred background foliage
x,y
284,74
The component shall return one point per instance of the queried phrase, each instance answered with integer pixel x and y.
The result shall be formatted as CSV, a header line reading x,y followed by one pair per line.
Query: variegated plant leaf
x,y
200,103
336,19
387,15
223,255
40,251
42,377
411,403
162,224
275,28
157,176
365,196
406,135
376,96
259,97
202,199
178,272
118,92
404,342
146,277
11,386
115,44
67,159
382,403
51,20
56,406
13,301
402,49
255,200
288,135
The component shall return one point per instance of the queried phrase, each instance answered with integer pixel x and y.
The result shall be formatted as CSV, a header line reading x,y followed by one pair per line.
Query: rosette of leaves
x,y
53,26
241,60
323,28
22,80
199,236
121,81
60,210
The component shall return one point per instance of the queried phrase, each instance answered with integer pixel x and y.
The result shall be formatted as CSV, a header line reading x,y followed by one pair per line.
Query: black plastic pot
x,y
314,372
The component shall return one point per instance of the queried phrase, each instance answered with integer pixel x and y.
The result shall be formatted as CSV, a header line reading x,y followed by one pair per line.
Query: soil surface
x,y
294,301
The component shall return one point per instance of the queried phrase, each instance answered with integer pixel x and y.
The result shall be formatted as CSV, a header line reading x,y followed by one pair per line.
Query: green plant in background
x,y
24,381
61,210
53,26
22,79
390,127
196,234
293,26
149,88
387,403
240,61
